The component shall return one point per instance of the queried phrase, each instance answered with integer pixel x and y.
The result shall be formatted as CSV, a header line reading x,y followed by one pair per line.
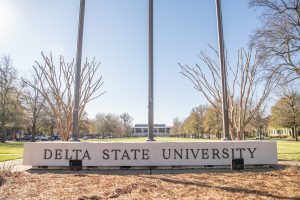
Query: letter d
x,y
49,155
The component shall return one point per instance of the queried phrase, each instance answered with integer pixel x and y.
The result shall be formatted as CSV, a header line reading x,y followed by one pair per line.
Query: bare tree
x,y
259,122
84,124
8,94
48,120
108,125
248,86
176,129
57,85
32,102
127,126
279,35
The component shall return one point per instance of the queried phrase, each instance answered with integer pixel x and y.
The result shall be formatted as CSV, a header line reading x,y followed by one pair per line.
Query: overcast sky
x,y
115,33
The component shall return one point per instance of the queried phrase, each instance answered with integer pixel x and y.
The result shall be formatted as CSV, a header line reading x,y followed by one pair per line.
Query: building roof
x,y
146,125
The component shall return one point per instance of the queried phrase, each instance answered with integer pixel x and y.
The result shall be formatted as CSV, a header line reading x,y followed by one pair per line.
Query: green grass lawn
x,y
287,150
11,150
4,157
143,139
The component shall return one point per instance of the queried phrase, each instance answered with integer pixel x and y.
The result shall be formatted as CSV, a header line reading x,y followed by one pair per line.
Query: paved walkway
x,y
14,165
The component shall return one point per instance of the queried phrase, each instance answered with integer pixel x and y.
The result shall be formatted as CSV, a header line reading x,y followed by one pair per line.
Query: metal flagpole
x,y
150,98
223,71
75,131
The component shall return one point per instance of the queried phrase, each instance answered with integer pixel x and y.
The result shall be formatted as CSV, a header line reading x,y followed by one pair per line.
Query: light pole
x,y
75,131
223,71
150,66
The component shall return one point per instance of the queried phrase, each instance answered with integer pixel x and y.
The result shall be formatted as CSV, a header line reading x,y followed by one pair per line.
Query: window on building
x,y
161,130
138,130
145,130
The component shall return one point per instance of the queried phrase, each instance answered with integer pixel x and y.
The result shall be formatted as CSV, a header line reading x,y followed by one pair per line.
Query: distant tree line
x,y
206,122
111,125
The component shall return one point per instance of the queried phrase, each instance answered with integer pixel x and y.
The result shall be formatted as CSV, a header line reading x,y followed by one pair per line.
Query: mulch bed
x,y
216,184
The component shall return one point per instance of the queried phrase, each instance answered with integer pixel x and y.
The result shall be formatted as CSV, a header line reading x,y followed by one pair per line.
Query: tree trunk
x,y
295,133
238,135
242,132
14,135
260,133
231,130
3,134
3,130
33,132
51,133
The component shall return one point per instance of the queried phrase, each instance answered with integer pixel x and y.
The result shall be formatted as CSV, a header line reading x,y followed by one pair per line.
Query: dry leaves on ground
x,y
276,184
